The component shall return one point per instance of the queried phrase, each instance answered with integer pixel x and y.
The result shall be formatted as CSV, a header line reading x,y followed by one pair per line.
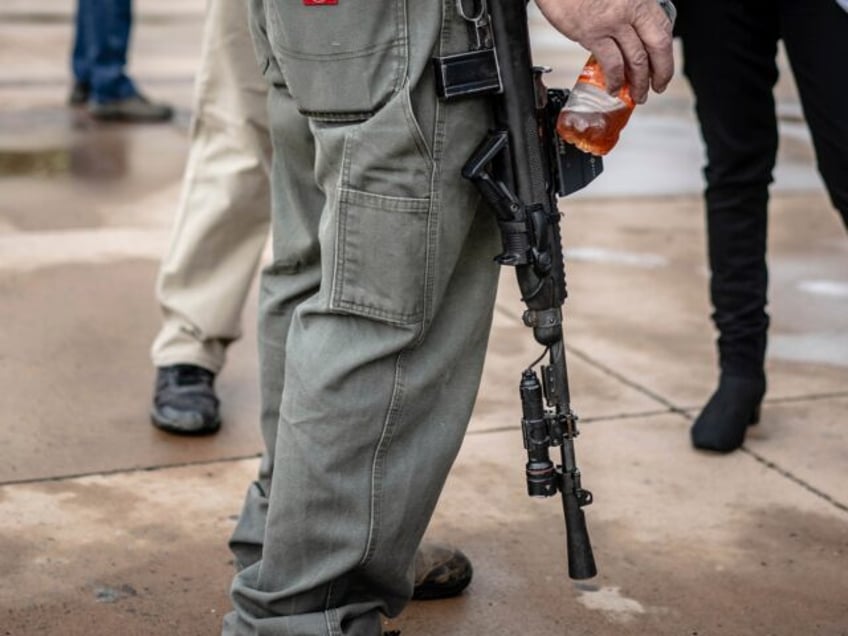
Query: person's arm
x,y
631,39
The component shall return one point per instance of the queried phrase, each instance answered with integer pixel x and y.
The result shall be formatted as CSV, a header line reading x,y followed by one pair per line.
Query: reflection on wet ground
x,y
61,170
833,288
58,140
663,155
43,163
620,257
97,157
822,348
60,17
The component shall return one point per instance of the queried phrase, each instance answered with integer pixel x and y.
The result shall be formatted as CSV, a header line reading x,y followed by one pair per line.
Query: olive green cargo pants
x,y
375,312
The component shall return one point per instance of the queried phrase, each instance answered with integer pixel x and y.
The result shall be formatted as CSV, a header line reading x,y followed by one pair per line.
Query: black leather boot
x,y
730,411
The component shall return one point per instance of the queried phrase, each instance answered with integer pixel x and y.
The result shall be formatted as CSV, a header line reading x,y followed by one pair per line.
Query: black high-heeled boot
x,y
737,222
734,407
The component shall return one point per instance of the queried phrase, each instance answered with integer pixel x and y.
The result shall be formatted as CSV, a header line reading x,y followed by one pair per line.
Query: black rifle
x,y
521,168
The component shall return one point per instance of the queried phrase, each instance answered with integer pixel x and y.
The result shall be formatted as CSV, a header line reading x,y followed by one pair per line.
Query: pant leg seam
x,y
392,416
331,620
433,215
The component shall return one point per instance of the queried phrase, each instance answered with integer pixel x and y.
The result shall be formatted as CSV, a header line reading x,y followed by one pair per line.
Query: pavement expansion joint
x,y
690,411
685,413
628,416
606,370
583,420
624,380
811,397
795,479
129,470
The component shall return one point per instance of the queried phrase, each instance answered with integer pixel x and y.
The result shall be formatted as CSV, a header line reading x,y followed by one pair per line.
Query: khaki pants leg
x,y
375,314
224,211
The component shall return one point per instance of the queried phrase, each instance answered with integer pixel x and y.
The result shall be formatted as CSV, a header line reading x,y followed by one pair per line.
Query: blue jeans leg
x,y
100,53
79,57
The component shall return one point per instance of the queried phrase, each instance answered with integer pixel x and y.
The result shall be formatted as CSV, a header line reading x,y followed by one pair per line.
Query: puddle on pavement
x,y
59,17
22,17
60,170
45,162
829,288
615,257
55,141
96,157
823,348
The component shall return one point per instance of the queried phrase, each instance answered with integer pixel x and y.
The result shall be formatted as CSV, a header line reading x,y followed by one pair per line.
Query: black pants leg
x,y
815,33
729,58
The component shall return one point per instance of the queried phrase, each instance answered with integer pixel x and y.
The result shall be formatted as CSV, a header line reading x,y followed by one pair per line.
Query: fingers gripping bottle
x,y
592,118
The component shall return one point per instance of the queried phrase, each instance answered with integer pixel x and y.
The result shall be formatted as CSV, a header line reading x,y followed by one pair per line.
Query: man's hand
x,y
631,39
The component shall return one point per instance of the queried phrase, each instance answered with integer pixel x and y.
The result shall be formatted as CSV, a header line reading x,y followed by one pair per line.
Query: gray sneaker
x,y
184,401
132,109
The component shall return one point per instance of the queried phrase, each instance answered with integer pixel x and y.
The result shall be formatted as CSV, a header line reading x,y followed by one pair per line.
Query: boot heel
x,y
755,416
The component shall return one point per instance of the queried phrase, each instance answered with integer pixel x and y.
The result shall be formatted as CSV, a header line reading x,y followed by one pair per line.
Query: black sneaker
x,y
79,94
184,400
441,571
135,109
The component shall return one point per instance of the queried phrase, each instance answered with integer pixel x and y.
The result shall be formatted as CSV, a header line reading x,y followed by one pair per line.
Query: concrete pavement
x,y
108,526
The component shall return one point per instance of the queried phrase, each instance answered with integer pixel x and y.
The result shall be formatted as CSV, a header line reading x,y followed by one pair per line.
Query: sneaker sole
x,y
129,119
170,426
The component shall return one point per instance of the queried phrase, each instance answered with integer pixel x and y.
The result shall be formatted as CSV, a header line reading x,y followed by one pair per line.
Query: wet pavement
x,y
107,525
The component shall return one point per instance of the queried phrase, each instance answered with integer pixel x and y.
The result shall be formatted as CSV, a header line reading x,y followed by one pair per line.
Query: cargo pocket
x,y
381,259
380,228
342,62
